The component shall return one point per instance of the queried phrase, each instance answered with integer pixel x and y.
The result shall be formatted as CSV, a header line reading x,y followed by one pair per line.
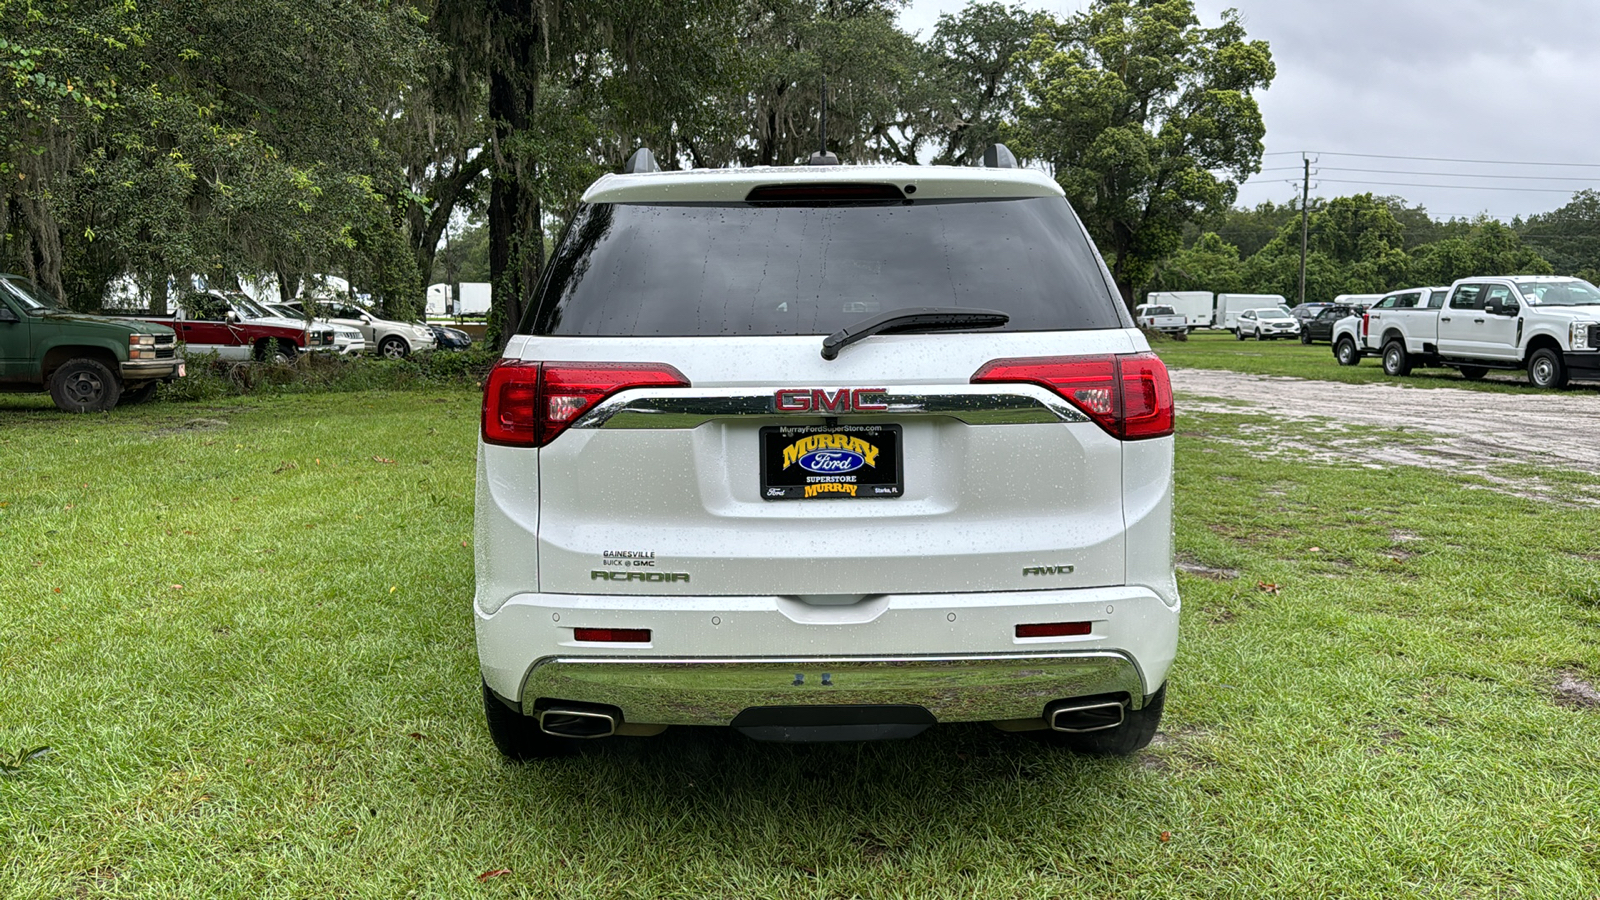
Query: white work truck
x,y
1548,325
1156,317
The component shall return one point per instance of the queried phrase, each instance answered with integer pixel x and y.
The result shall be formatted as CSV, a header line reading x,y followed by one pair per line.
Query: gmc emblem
x,y
820,400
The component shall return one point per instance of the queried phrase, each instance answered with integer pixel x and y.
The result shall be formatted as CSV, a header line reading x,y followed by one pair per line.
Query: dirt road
x,y
1446,428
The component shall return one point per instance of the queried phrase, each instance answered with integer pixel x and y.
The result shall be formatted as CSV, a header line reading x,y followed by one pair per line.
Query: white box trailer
x,y
1196,307
473,298
1230,305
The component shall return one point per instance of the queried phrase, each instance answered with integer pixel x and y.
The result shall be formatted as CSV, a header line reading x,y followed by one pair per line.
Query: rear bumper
x,y
714,691
711,658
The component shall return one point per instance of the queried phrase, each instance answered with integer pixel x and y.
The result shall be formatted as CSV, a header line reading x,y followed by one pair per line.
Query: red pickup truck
x,y
233,326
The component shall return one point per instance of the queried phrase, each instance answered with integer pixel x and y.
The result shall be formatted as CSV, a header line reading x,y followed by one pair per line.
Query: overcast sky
x,y
1455,79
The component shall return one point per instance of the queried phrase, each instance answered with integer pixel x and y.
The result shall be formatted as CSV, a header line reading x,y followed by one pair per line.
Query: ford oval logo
x,y
832,462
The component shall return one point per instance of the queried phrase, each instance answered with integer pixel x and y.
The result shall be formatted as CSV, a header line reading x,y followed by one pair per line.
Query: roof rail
x,y
999,156
640,162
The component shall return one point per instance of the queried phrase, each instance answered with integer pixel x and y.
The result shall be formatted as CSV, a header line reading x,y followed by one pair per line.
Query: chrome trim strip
x,y
712,691
974,404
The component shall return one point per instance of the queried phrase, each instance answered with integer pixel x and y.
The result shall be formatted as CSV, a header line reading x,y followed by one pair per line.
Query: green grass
x,y
301,717
1220,350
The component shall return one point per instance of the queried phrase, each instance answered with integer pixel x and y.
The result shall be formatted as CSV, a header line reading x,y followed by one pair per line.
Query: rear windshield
x,y
692,270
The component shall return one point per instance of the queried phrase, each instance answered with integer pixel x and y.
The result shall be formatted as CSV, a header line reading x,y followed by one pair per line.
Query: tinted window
x,y
1407,301
1468,296
700,270
1437,300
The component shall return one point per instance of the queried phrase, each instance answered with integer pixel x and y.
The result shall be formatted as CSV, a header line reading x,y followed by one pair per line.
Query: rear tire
x,y
1239,334
1138,728
1305,337
1547,370
517,736
1346,353
83,386
1473,373
1396,361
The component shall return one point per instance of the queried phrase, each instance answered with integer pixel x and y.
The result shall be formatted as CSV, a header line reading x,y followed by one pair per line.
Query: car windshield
x,y
700,270
1573,292
1159,311
249,308
28,294
1270,313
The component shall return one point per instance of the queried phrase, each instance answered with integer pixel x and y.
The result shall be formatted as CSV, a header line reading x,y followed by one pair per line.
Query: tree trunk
x,y
158,295
446,194
288,286
516,233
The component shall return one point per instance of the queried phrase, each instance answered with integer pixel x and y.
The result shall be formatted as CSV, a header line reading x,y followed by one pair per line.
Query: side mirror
x,y
6,315
1502,307
230,316
366,319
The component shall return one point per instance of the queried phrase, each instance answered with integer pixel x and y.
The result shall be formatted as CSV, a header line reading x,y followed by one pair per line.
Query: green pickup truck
x,y
87,363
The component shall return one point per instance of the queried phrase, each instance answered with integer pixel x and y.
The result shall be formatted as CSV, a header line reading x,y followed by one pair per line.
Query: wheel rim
x,y
85,388
1391,361
1544,372
393,350
1346,352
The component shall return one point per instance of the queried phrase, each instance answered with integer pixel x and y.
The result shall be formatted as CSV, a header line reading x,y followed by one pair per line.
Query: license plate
x,y
830,462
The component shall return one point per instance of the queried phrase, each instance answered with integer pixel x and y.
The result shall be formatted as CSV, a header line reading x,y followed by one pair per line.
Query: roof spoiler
x,y
999,156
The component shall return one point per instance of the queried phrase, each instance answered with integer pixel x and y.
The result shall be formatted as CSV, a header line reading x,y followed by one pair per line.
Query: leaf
x,y
1266,587
493,873
35,753
1166,836
383,459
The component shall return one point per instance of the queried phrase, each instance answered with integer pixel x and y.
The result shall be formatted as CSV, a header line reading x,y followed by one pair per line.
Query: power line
x,y
1461,187
1482,162
1580,179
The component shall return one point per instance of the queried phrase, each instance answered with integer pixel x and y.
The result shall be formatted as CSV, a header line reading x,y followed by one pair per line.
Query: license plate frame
x,y
848,462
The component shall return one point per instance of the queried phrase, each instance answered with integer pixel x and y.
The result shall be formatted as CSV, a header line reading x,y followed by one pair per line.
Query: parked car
x,y
1319,325
1546,325
447,338
392,340
347,341
235,327
1267,324
1229,306
723,483
1160,318
87,363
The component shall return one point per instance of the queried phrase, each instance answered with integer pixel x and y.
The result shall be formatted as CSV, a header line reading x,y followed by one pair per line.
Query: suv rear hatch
x,y
694,441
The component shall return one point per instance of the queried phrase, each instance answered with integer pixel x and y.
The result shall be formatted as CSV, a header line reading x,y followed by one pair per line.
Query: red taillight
x,y
613,635
1055,629
527,404
1364,325
1129,395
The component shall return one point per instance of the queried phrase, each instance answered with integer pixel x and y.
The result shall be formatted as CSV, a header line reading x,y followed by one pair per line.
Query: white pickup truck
x,y
1548,325
1155,317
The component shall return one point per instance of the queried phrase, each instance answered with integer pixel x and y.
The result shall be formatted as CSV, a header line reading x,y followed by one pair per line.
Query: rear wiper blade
x,y
912,319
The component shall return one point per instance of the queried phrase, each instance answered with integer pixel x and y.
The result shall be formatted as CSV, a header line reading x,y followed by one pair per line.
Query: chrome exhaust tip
x,y
582,724
1080,718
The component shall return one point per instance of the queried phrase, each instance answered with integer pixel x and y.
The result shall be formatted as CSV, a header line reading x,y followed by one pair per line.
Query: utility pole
x,y
1305,196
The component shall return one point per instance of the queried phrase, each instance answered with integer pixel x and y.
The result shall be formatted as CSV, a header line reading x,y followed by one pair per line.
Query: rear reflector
x,y
1129,395
1055,629
613,635
527,404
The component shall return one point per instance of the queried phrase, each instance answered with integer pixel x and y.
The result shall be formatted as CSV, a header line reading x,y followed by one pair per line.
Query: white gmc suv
x,y
825,453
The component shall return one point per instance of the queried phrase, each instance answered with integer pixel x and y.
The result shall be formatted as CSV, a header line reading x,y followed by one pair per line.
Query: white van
x,y
1230,305
1196,307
